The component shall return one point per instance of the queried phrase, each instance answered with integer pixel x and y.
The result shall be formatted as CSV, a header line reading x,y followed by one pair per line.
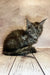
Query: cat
x,y
19,42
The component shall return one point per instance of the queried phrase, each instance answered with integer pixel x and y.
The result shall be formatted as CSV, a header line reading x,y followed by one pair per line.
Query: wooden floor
x,y
36,64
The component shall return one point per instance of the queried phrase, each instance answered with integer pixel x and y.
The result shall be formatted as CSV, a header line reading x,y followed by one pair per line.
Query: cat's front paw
x,y
33,50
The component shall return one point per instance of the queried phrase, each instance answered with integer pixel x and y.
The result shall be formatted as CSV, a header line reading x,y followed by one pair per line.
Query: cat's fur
x,y
19,42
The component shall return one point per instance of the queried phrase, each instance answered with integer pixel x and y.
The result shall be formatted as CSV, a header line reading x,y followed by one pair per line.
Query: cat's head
x,y
35,29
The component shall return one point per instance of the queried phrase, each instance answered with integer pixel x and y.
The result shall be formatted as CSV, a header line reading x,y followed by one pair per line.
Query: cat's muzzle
x,y
35,39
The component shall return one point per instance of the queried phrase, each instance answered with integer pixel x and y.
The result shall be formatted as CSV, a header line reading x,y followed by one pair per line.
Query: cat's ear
x,y
42,22
28,23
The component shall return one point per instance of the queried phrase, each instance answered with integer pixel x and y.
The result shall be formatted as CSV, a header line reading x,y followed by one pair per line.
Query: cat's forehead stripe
x,y
36,24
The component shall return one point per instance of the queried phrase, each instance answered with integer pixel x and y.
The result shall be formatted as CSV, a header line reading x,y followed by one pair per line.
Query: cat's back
x,y
16,33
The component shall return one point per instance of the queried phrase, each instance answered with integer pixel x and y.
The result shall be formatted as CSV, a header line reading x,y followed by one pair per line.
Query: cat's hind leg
x,y
23,51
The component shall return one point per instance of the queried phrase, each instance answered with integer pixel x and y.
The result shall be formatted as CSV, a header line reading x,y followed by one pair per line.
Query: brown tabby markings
x,y
19,42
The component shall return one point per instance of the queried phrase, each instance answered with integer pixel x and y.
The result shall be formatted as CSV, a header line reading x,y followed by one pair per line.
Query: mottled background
x,y
12,16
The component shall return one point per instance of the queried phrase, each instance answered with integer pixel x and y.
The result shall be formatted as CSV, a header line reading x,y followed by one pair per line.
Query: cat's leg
x,y
26,50
33,50
23,51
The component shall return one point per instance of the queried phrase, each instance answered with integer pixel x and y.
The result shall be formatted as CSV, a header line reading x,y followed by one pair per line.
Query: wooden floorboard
x,y
26,66
43,58
6,64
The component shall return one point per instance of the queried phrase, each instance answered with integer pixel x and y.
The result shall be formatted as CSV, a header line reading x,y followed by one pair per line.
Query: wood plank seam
x,y
11,66
39,64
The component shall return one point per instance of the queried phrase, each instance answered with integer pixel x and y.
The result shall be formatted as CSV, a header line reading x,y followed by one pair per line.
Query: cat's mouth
x,y
35,40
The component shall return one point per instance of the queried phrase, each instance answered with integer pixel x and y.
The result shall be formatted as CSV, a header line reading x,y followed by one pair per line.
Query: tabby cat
x,y
19,42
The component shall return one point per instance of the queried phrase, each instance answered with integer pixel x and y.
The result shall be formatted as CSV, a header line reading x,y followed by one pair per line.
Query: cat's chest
x,y
27,40
24,37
